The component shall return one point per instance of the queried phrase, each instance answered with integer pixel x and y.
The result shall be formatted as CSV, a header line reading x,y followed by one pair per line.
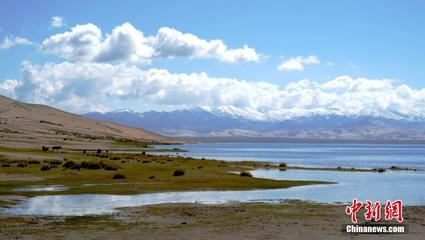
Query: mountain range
x,y
200,122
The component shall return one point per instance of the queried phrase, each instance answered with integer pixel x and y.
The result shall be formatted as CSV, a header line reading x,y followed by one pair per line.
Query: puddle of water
x,y
49,188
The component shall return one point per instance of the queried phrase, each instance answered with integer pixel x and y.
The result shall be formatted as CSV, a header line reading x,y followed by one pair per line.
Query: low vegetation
x,y
45,168
246,174
283,165
178,172
118,176
92,173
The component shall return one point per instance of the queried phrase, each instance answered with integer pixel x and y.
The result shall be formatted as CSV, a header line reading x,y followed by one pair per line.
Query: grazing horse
x,y
44,149
56,148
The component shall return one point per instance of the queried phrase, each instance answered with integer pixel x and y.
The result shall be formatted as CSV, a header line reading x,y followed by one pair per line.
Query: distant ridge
x,y
203,123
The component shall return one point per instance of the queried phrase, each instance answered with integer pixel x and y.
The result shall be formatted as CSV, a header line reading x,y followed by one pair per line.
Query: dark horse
x,y
55,148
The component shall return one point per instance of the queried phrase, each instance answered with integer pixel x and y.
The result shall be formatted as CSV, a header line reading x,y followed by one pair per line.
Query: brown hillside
x,y
23,124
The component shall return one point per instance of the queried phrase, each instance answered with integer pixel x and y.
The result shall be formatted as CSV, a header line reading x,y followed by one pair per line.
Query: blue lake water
x,y
313,155
407,186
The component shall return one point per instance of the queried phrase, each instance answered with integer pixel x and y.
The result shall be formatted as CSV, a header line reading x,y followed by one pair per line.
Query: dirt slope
x,y
33,124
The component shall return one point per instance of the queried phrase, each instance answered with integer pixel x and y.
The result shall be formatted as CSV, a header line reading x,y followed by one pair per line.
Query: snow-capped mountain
x,y
225,123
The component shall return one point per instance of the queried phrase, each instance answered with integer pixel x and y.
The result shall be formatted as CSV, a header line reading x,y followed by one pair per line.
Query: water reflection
x,y
408,186
48,188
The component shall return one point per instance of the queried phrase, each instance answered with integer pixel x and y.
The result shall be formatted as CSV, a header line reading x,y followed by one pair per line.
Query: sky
x,y
259,59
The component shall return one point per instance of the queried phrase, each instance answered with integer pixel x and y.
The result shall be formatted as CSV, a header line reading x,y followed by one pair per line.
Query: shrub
x,y
146,161
55,162
397,168
21,165
115,158
91,166
151,177
118,176
109,167
381,170
178,172
283,165
33,162
71,165
245,174
45,168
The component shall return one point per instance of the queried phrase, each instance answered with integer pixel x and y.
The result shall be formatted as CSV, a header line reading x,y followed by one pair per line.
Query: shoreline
x,y
236,221
194,140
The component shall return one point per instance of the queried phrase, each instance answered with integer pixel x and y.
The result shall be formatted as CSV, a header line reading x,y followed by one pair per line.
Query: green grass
x,y
199,174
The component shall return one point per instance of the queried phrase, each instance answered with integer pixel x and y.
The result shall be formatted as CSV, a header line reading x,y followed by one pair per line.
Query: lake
x,y
313,154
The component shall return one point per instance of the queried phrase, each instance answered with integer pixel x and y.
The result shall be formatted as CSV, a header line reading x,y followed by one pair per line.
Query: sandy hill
x,y
25,125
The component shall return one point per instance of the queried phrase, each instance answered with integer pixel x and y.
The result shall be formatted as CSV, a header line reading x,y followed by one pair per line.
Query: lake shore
x,y
96,173
288,220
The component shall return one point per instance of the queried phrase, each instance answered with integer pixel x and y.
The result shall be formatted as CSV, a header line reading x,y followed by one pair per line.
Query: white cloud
x,y
128,44
82,43
56,22
8,87
88,86
125,43
171,43
297,63
10,41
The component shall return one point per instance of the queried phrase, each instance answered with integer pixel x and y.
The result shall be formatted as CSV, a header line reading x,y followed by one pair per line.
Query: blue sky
x,y
360,39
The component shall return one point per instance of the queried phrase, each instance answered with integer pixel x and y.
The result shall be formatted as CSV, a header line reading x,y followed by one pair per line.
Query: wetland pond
x,y
391,185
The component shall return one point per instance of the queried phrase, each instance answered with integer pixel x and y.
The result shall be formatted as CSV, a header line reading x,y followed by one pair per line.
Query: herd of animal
x,y
54,148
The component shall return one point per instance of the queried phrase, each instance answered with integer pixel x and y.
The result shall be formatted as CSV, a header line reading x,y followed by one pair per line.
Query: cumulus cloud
x,y
56,22
82,43
171,43
87,86
298,63
8,87
10,41
126,43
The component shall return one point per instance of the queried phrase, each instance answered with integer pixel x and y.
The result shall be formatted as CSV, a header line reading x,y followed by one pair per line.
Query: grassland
x,y
143,173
